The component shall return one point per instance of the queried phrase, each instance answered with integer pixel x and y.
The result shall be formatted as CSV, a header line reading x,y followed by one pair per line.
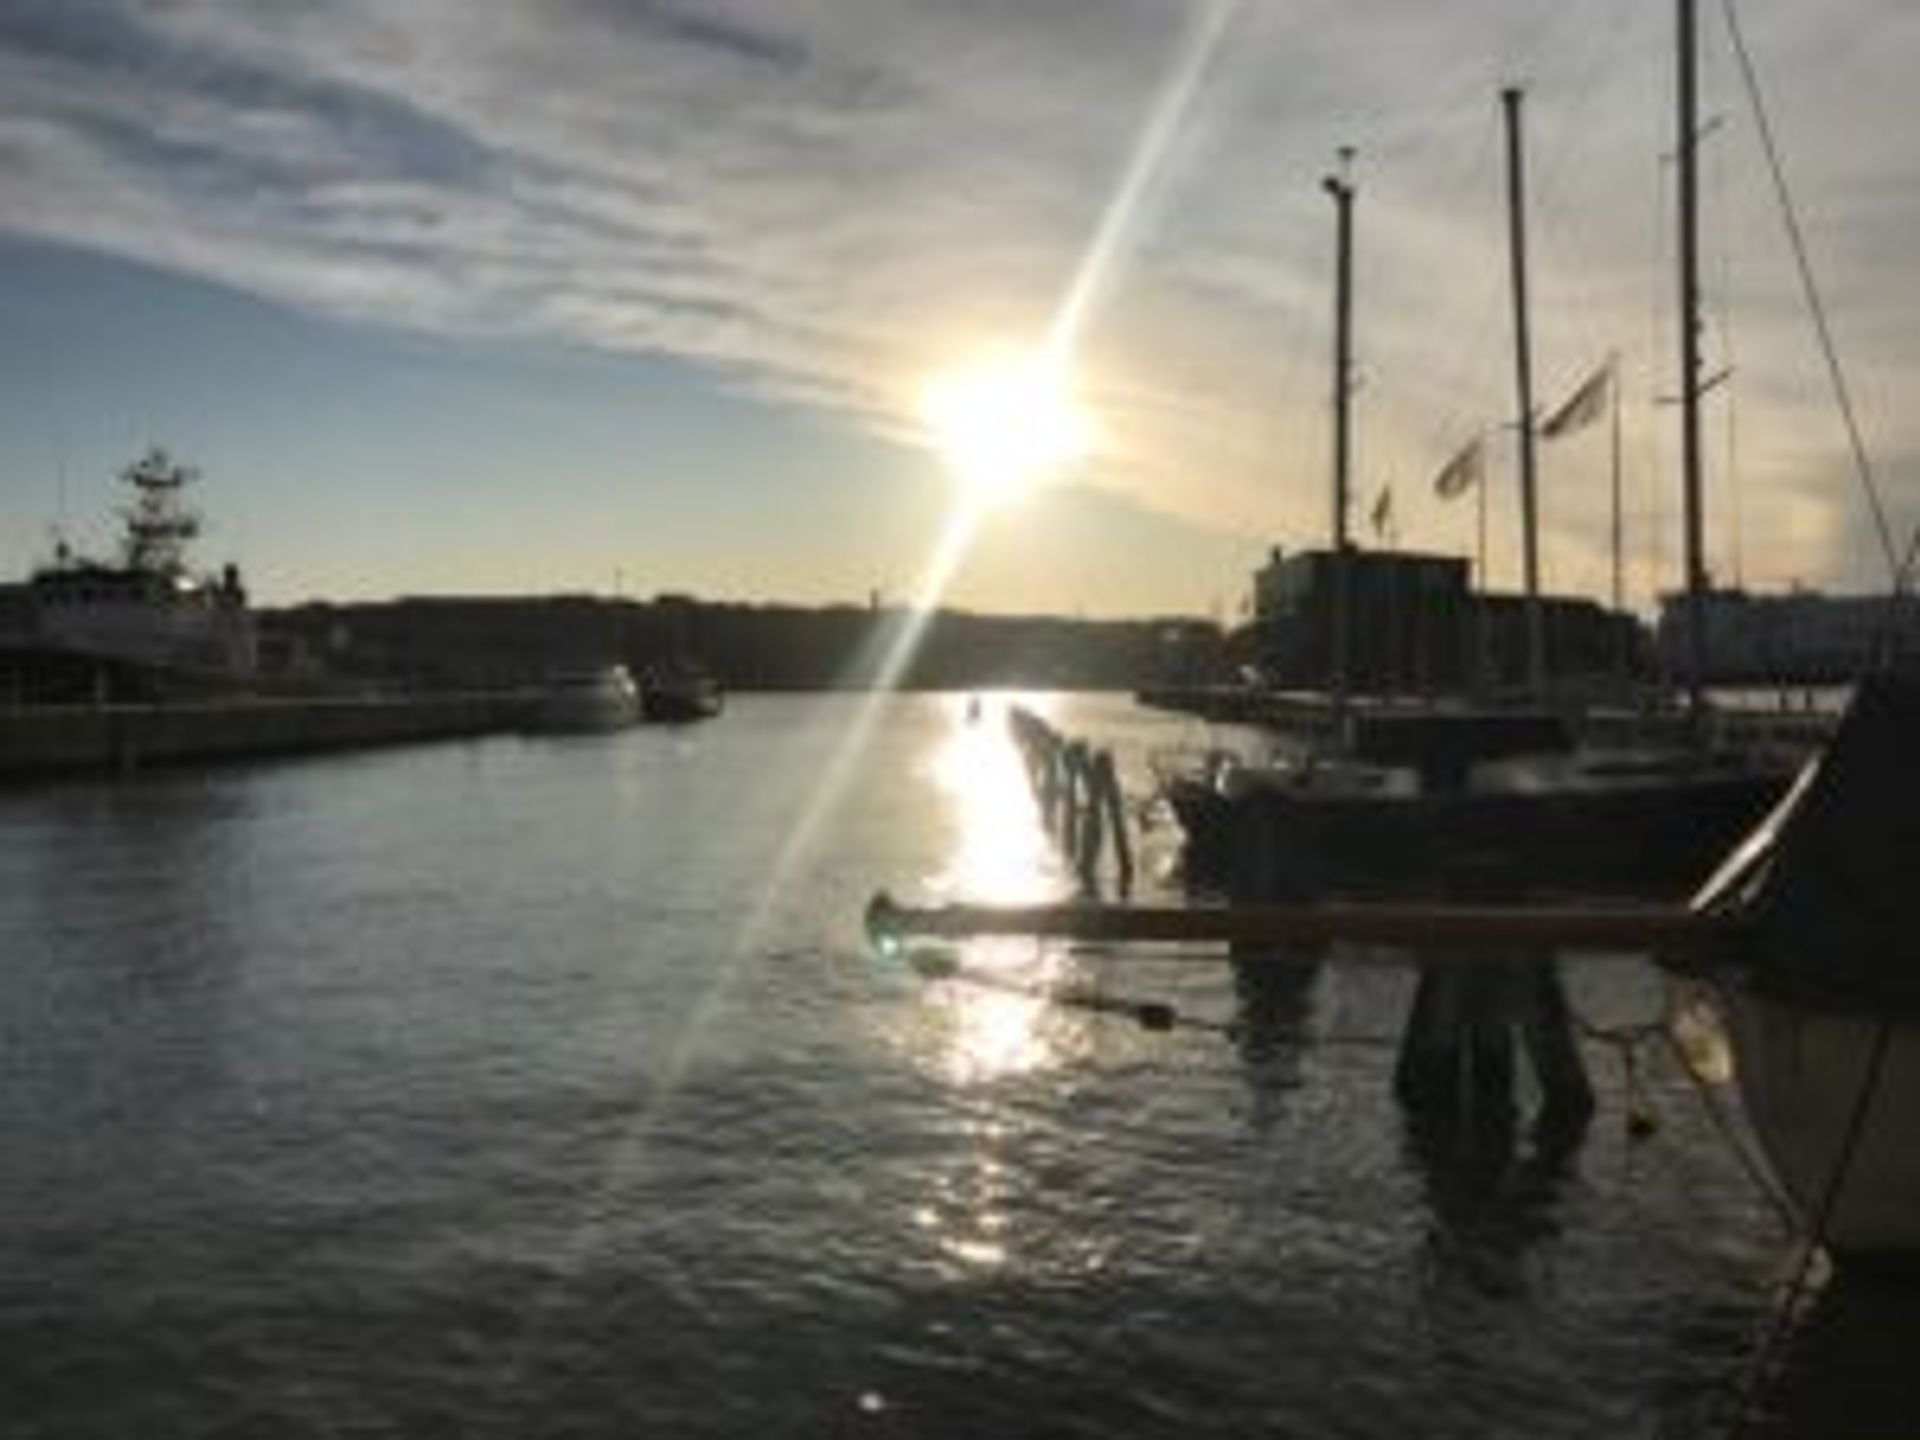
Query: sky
x,y
642,295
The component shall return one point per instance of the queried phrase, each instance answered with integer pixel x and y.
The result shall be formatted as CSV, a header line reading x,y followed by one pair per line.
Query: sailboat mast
x,y
1523,386
1689,249
1623,658
1340,187
1619,590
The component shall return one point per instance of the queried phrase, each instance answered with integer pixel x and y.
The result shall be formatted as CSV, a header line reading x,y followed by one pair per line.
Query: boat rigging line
x,y
1899,573
1766,1356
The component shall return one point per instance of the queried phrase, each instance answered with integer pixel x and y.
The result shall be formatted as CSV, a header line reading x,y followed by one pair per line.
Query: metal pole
x,y
1619,580
1689,241
1340,187
1482,621
1523,385
1623,659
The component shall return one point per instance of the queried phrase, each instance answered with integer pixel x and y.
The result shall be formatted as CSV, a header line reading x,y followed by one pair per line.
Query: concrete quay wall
x,y
120,738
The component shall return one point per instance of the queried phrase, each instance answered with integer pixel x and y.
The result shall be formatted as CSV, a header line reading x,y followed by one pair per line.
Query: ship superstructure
x,y
139,627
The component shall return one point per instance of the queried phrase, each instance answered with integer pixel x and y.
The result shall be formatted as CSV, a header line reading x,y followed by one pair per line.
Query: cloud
x,y
822,200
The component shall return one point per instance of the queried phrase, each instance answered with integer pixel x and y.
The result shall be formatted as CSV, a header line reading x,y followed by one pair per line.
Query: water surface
x,y
548,1088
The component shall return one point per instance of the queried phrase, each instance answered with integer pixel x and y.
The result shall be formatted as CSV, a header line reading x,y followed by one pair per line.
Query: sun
x,y
1004,424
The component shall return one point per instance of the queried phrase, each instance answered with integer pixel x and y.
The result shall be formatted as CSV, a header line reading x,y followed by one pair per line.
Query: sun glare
x,y
1005,424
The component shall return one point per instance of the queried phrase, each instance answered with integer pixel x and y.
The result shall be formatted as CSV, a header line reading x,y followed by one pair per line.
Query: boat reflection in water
x,y
1275,990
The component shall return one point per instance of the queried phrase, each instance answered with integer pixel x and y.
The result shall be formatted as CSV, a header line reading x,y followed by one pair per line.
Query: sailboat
x,y
1804,933
1825,1006
1463,799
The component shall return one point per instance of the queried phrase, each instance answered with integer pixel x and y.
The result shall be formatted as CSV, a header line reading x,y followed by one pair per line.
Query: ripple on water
x,y
488,1090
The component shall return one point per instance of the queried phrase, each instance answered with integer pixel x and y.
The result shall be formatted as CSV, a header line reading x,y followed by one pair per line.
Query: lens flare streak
x,y
1007,1034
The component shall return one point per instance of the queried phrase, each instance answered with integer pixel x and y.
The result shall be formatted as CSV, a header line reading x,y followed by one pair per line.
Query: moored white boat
x,y
1833,1096
679,694
136,627
588,702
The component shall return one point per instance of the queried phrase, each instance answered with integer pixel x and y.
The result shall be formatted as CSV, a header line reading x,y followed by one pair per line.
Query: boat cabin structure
x,y
1415,625
138,627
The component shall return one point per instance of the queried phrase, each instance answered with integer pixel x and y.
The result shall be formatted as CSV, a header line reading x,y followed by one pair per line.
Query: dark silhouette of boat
x,y
1489,801
590,701
1804,936
1804,930
680,694
135,628
1563,818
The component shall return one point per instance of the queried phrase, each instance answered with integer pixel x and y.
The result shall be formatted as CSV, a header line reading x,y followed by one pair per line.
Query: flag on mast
x,y
1382,516
1463,472
1583,407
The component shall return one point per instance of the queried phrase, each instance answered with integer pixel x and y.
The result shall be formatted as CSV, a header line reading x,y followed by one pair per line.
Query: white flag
x,y
1462,472
1382,515
1583,407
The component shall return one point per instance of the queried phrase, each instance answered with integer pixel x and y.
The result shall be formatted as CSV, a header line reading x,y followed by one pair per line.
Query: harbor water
x,y
548,1087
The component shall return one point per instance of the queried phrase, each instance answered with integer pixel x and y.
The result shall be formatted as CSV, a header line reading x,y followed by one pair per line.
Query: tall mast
x,y
1340,187
1624,659
1523,388
1684,150
1619,588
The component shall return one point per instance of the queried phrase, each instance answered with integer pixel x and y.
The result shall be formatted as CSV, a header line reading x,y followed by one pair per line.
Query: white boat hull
x,y
590,703
1802,1075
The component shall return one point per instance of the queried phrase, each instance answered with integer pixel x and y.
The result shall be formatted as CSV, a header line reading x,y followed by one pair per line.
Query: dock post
x,y
1078,791
1072,755
1114,806
1041,747
1088,840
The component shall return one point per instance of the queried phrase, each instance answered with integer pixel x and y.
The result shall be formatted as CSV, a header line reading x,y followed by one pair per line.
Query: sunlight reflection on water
x,y
1001,853
996,1023
993,1023
417,1020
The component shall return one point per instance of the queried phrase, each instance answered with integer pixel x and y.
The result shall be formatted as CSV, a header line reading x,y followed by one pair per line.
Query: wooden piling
x,y
1113,807
1073,759
1444,931
1082,806
1089,837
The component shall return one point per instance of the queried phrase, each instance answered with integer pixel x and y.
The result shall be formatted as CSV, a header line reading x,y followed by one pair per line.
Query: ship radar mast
x,y
159,525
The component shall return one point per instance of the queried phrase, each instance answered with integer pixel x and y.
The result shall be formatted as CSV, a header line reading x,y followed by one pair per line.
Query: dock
x,y
121,738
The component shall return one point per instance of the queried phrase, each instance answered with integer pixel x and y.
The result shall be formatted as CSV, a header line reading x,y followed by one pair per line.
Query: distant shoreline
x,y
467,642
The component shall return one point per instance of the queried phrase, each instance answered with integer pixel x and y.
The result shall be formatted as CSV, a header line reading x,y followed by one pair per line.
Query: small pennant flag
x,y
1583,407
1382,515
1462,472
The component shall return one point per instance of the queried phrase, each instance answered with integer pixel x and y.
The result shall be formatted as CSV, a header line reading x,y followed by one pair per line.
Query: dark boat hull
x,y
1825,1002
1628,839
680,704
32,674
